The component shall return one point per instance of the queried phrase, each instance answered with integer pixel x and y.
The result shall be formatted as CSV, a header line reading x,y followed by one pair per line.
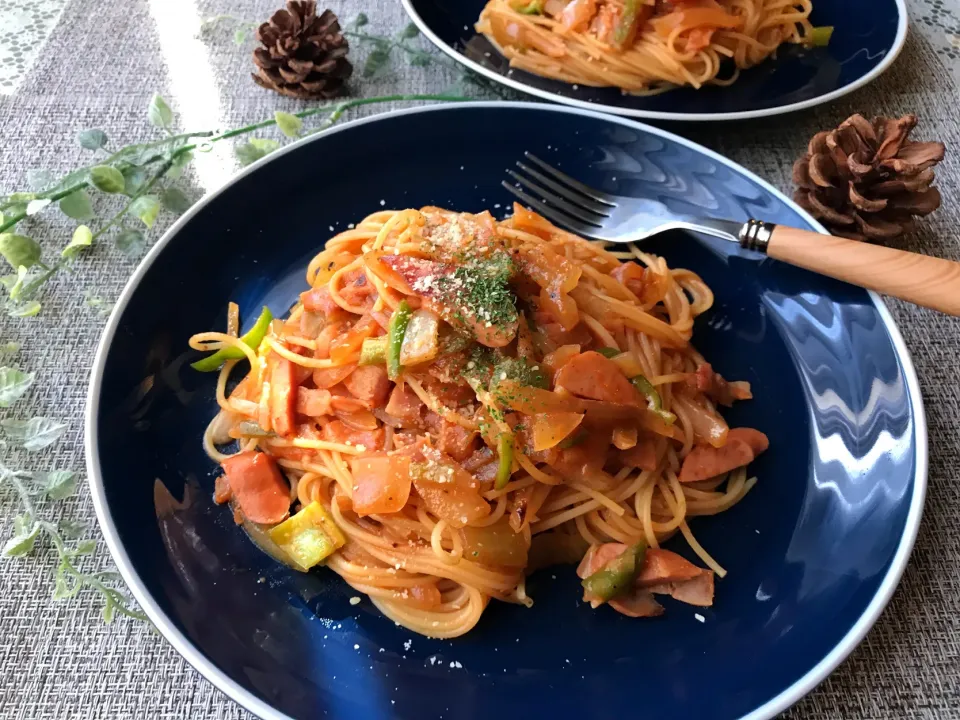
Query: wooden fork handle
x,y
921,279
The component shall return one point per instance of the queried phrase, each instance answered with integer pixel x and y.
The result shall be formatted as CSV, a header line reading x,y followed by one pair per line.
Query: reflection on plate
x,y
814,552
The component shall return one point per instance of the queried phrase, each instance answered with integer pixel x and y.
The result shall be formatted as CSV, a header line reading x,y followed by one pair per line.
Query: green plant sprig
x,y
54,485
158,159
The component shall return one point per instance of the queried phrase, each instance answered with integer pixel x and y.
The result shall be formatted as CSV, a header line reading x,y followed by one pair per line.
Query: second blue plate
x,y
868,35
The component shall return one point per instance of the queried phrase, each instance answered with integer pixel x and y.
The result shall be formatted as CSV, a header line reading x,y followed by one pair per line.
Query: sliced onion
x,y
421,339
233,319
706,425
549,429
358,419
311,323
628,364
220,427
387,419
248,428
495,544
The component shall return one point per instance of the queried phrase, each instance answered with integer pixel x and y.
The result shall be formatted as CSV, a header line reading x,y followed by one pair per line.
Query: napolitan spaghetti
x,y
457,402
645,46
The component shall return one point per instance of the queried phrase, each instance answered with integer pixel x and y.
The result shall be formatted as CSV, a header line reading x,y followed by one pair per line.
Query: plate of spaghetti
x,y
672,59
408,449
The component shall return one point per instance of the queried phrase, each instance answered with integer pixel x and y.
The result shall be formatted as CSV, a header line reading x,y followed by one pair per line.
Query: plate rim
x,y
903,23
247,699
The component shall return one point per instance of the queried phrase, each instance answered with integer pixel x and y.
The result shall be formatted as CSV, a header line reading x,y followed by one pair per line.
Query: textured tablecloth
x,y
98,69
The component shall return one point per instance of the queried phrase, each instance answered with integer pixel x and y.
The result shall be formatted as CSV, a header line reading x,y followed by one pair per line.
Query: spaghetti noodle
x,y
459,401
644,46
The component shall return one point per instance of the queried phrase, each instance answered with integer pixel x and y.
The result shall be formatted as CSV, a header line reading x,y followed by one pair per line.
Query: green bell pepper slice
x,y
820,36
396,330
533,7
626,26
617,577
505,468
654,401
252,339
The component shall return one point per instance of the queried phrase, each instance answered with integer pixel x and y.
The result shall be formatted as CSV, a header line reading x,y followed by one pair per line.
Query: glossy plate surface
x,y
868,36
814,551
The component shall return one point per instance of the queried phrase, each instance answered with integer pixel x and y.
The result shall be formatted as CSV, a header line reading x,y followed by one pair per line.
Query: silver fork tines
x,y
598,195
565,200
599,215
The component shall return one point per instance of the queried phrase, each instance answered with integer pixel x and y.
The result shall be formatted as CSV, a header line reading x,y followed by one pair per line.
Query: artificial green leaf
x,y
21,197
72,529
17,287
109,609
264,145
33,434
130,242
9,348
420,58
19,250
77,206
175,201
13,384
23,523
179,163
240,36
410,31
255,149
40,179
35,206
377,59
92,139
65,587
361,20
290,125
97,303
28,309
82,238
133,179
57,484
146,207
107,179
85,547
158,112
23,541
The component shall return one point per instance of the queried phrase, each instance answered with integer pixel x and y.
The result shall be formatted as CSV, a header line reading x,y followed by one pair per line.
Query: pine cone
x,y
303,55
866,180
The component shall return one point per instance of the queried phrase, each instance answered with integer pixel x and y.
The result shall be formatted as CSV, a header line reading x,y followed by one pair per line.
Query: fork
x,y
920,279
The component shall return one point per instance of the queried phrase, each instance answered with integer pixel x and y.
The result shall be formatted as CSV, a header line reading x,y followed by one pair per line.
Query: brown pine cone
x,y
866,180
303,55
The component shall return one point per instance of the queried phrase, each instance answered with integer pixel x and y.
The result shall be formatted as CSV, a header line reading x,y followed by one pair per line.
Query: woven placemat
x,y
99,68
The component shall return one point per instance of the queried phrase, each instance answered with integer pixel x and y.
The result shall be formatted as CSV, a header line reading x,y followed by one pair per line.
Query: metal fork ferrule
x,y
755,235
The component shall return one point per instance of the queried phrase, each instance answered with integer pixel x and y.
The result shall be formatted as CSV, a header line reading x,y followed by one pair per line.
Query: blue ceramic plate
x,y
868,36
814,551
